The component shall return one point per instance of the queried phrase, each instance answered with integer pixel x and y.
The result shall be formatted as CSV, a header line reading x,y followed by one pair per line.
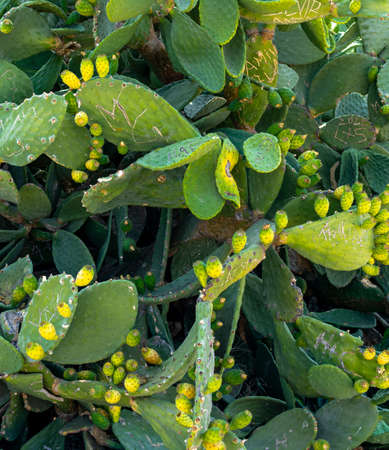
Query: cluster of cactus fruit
x,y
194,224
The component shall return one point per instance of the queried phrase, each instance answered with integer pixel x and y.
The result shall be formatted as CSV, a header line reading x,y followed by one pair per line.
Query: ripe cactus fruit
x,y
87,69
30,283
133,338
321,205
108,369
234,377
339,191
383,358
102,66
85,276
70,79
79,176
6,26
114,412
81,119
321,444
371,270
183,404
219,303
18,294
117,359
382,228
212,436
184,420
84,8
47,331
151,356
369,353
383,215
266,235
187,389
347,199
214,267
214,446
274,98
131,383
241,420
131,365
363,204
361,386
92,165
112,396
239,240
35,351
380,253
369,223
354,6
200,271
281,220
214,383
64,310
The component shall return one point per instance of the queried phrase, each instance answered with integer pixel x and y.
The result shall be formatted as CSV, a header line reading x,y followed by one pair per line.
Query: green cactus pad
x,y
221,23
234,53
43,308
347,318
295,428
376,169
33,202
118,10
353,103
91,337
345,424
197,53
262,152
12,276
8,189
225,182
180,153
369,8
337,242
331,382
348,131
374,34
186,5
130,112
30,128
15,85
11,359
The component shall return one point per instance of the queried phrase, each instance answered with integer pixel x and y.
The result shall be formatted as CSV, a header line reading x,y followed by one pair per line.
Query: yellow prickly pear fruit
x,y
183,404
281,220
81,119
133,338
212,435
64,310
214,446
112,396
266,235
380,253
117,359
102,66
131,365
321,205
85,276
108,369
357,187
354,6
151,356
214,267
383,358
200,271
382,216
241,420
187,389
339,191
70,79
214,383
96,129
35,351
184,420
223,425
239,240
79,176
87,69
382,228
347,199
92,165
84,8
369,223
371,270
132,383
321,444
47,331
361,386
369,353
364,204
6,26
298,140
114,412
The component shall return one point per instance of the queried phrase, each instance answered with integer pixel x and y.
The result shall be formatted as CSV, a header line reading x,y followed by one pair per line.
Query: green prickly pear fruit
x,y
303,181
184,420
384,196
216,325
321,205
346,199
47,331
118,375
266,235
384,110
228,363
380,253
186,389
239,240
131,365
212,436
383,215
102,66
112,396
132,383
122,148
223,425
191,373
281,220
70,374
183,404
241,420
274,98
85,276
372,74
216,396
129,245
81,119
114,64
79,176
354,6
371,270
369,353
364,204
108,369
96,153
225,389
218,361
104,159
275,128
126,225
216,345
140,284
357,187
86,375
35,351
149,279
321,444
218,303
30,283
87,69
286,133
214,383
70,79
287,95
315,178
361,386
84,8
199,268
114,412
382,228
96,129
100,419
307,155
117,359
235,377
6,26
214,267
245,90
383,358
339,191
369,223
92,165
18,294
133,338
151,356
72,107
97,141
311,167
298,141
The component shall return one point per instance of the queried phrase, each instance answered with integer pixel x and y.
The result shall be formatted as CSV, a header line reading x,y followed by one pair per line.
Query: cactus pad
x,y
262,152
12,276
11,359
331,382
15,85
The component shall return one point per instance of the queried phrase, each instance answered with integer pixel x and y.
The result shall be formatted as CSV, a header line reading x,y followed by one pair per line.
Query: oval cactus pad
x,y
262,152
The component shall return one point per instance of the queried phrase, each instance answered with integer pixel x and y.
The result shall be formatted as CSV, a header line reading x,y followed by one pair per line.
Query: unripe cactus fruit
x,y
369,223
72,107
287,95
126,225
275,128
363,205
383,358
183,404
131,383
6,26
239,240
228,363
86,375
357,187
223,425
281,220
87,69
149,280
339,191
35,351
184,420
47,331
118,375
97,141
112,396
122,148
92,165
133,338
354,6
137,280
382,228
102,66
214,267
321,444
191,373
381,239
216,325
104,159
151,356
346,200
371,270
266,235
70,374
212,435
303,181
84,8
81,119
186,389
79,176
85,276
372,74
70,79
117,359
200,271
384,110
108,369
311,167
361,386
96,153
307,155
369,353
30,283
129,245
297,141
234,377
131,365
18,294
274,98
380,253
214,383
95,129
100,418
241,420
114,412
219,303
383,215
64,310
216,345
321,205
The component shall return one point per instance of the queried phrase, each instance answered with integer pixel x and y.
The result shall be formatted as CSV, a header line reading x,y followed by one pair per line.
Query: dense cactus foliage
x,y
194,224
